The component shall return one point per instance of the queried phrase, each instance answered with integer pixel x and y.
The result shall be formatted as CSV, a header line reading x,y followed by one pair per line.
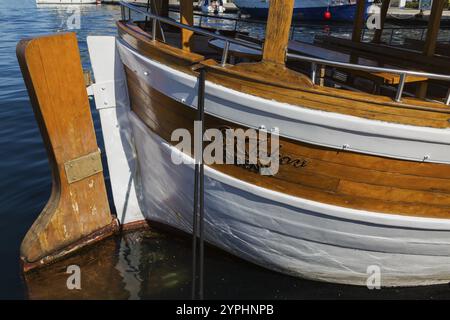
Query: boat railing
x,y
314,61
402,73
297,27
156,18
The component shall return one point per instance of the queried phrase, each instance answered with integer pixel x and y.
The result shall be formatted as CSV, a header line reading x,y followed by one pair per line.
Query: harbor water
x,y
149,264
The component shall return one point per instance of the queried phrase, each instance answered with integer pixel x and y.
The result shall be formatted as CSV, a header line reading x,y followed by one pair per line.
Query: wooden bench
x,y
403,57
345,56
442,49
316,51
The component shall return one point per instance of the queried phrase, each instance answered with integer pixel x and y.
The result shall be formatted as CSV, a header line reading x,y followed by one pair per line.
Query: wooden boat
x,y
363,179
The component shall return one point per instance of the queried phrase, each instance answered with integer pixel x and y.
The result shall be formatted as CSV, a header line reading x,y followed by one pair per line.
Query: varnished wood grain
x,y
433,27
52,71
328,99
186,17
431,39
340,178
277,30
172,56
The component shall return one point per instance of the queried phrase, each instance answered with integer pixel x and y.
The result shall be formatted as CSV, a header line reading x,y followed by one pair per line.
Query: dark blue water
x,y
24,172
144,264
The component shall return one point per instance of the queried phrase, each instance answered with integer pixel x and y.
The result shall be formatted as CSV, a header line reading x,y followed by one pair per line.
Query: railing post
x,y
322,75
225,53
313,72
154,22
401,86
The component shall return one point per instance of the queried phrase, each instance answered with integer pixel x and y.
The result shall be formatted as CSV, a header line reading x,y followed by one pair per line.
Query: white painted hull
x,y
277,231
288,234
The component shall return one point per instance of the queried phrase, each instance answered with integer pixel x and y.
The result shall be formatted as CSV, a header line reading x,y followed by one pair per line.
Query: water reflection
x,y
157,265
138,265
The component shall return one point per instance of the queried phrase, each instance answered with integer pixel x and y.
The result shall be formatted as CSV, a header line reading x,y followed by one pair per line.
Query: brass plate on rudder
x,y
83,167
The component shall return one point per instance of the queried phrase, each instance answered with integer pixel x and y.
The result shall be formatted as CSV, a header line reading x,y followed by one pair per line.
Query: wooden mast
x,y
77,212
359,20
433,27
186,17
429,48
277,31
384,10
162,7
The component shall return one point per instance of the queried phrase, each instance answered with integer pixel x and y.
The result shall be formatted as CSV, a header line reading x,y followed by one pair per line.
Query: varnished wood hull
x,y
331,219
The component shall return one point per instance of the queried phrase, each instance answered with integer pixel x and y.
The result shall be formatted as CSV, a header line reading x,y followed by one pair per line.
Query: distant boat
x,y
212,6
336,10
68,1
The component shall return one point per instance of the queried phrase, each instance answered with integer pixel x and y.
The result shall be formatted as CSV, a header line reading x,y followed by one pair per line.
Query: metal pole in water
x,y
194,229
198,216
201,106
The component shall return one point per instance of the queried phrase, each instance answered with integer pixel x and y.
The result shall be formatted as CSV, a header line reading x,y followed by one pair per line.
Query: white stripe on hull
x,y
317,127
289,234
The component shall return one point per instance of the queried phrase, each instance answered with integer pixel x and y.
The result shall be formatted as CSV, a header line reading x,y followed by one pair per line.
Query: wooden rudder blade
x,y
78,211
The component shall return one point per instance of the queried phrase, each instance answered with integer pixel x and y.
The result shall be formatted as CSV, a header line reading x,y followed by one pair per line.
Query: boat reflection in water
x,y
157,265
132,267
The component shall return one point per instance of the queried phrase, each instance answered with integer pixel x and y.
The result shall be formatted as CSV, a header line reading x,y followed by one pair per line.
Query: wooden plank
x,y
393,79
186,17
434,24
77,213
328,99
346,179
429,48
358,25
383,13
277,30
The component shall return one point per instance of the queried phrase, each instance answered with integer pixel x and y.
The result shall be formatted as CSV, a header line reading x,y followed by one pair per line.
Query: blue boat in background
x,y
318,10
